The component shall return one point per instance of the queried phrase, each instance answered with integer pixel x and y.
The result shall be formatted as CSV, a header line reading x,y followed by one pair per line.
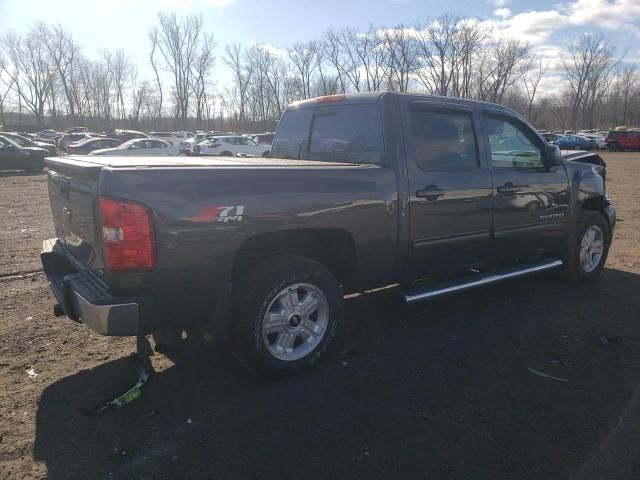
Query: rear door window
x,y
334,133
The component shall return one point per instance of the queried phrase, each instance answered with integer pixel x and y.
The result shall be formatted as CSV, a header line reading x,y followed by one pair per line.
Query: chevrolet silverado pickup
x,y
433,195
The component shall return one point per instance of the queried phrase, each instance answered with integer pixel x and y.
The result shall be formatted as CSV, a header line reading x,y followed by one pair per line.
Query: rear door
x,y
531,200
450,190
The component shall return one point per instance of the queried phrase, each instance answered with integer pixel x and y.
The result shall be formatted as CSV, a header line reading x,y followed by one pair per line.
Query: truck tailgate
x,y
73,192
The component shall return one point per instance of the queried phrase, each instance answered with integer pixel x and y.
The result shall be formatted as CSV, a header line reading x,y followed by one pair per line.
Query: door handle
x,y
430,192
508,188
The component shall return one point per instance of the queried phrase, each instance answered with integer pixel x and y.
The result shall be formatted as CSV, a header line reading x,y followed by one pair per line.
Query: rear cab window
x,y
349,133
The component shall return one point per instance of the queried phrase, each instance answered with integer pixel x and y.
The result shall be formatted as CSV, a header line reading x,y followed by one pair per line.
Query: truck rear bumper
x,y
83,297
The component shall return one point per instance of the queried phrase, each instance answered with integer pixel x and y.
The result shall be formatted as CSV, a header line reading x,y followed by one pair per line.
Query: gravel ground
x,y
441,390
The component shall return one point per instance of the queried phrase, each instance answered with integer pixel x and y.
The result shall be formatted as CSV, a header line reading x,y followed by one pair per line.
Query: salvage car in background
x,y
27,142
231,145
264,138
15,157
141,147
69,138
621,140
599,139
88,145
575,142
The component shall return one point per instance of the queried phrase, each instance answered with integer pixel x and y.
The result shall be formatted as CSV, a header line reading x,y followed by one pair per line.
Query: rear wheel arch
x,y
334,248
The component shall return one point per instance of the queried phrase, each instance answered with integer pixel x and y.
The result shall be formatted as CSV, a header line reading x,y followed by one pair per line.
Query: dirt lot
x,y
437,391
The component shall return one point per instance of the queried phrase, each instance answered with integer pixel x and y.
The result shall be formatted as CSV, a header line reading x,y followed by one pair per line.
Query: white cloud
x,y
612,15
533,26
605,13
502,13
498,3
273,50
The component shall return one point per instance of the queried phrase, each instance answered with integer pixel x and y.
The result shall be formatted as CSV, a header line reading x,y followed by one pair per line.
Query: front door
x,y
450,191
531,201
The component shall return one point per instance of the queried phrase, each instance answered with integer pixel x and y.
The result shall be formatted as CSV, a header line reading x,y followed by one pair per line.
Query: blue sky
x,y
113,24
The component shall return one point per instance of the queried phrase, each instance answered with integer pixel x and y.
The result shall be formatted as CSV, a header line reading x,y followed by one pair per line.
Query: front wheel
x,y
589,253
286,315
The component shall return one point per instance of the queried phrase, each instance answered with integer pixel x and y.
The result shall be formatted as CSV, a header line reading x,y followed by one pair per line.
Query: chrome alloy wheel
x,y
591,248
295,322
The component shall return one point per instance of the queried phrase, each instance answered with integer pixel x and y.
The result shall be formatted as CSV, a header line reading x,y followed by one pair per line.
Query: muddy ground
x,y
439,391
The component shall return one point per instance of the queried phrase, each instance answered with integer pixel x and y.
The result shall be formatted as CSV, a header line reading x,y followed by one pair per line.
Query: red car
x,y
621,140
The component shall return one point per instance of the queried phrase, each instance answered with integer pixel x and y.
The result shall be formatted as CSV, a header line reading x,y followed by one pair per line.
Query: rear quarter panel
x,y
197,241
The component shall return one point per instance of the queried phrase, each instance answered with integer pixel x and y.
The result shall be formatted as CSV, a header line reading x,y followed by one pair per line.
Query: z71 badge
x,y
231,213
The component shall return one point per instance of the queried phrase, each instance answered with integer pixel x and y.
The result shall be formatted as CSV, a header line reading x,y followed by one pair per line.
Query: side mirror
x,y
552,155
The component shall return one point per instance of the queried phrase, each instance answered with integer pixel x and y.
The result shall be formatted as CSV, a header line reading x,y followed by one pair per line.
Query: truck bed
x,y
187,162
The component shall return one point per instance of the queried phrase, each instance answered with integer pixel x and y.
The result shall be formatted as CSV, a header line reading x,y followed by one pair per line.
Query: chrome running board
x,y
417,295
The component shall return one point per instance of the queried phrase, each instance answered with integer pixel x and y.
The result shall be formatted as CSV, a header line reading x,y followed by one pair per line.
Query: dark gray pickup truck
x,y
433,195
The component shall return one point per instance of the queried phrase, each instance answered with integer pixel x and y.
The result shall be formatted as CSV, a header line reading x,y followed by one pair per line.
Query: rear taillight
x,y
127,236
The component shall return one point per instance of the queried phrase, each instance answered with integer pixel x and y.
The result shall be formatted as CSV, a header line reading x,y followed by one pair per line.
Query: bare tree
x,y
501,67
200,75
32,71
303,58
181,43
242,71
63,50
589,71
402,59
531,80
6,82
154,38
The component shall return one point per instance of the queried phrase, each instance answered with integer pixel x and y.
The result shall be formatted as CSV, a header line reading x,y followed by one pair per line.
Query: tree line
x,y
44,74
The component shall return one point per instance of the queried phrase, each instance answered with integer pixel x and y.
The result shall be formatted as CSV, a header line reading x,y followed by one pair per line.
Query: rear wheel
x,y
589,253
226,154
613,147
286,315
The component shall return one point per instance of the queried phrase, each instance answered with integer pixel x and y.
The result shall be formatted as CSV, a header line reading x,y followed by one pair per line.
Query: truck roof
x,y
373,97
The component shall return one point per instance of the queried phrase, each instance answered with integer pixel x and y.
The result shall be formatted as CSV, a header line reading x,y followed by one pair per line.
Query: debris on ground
x,y
607,340
560,358
350,352
32,373
144,372
420,414
546,375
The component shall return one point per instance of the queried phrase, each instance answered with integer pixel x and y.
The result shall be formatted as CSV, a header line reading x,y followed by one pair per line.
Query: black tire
x,y
574,270
254,294
576,147
226,154
265,154
613,147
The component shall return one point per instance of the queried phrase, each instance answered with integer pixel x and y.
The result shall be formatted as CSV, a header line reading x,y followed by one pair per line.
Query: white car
x,y
141,147
599,140
232,145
